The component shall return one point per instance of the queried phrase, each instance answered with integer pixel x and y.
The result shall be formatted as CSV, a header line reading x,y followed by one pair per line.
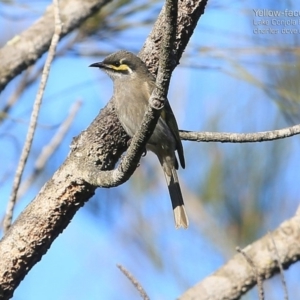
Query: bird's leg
x,y
144,152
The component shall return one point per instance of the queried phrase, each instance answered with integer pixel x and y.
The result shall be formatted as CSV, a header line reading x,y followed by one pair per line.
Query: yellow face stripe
x,y
122,67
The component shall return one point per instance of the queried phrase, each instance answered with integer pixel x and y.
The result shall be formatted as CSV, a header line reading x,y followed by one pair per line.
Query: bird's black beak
x,y
97,65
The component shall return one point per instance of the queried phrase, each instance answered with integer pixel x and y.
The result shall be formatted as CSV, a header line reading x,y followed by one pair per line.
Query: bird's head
x,y
123,65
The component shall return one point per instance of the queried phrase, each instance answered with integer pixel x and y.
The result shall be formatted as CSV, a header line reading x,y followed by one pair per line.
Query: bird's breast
x,y
131,105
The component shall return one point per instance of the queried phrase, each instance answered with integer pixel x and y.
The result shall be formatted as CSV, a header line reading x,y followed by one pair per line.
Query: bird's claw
x,y
144,152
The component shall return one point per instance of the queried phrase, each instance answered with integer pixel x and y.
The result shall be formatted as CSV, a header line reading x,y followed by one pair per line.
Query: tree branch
x,y
188,15
259,282
226,137
49,149
98,147
25,49
136,284
33,119
286,296
235,278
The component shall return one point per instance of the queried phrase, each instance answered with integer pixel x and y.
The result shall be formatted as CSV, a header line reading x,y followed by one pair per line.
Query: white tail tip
x,y
180,216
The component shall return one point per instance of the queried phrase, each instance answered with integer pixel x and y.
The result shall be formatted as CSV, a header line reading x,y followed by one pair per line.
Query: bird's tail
x,y
180,216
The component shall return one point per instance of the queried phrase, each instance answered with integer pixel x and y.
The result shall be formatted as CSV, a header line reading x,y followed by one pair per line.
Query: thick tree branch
x,y
31,235
281,271
259,281
236,277
97,148
189,13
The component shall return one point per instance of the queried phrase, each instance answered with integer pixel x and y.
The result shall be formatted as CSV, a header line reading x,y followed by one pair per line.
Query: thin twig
x,y
136,284
33,119
286,295
256,274
227,137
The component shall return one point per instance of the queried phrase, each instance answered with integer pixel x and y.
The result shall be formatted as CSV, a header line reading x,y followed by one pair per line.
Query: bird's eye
x,y
117,64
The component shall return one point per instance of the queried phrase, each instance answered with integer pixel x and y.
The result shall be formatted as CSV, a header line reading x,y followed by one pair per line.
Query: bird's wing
x,y
168,116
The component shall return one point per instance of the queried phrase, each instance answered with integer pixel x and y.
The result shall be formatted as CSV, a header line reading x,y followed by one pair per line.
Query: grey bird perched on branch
x,y
133,85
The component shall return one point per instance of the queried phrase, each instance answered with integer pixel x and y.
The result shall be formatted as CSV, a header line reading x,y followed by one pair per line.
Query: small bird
x,y
133,86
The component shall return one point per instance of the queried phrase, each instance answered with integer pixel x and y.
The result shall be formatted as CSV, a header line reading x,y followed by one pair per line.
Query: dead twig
x,y
136,284
33,119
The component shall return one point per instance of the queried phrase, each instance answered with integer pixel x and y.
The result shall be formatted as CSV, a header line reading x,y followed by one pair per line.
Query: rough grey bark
x,y
188,16
97,148
51,211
